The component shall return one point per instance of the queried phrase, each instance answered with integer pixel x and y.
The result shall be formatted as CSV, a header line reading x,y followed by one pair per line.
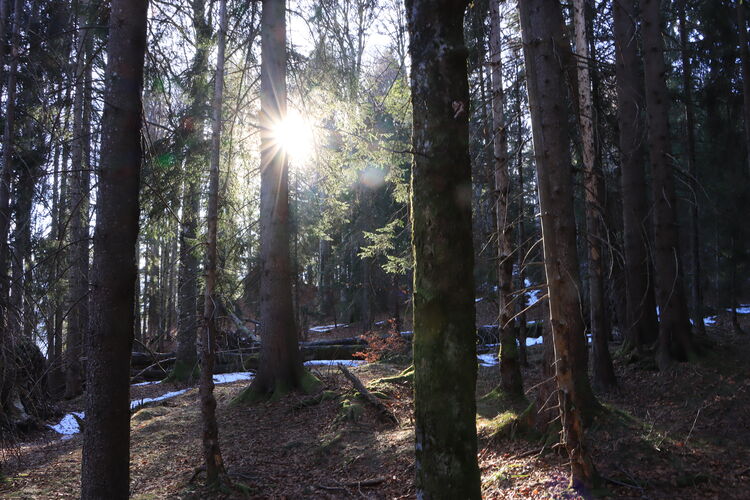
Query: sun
x,y
295,135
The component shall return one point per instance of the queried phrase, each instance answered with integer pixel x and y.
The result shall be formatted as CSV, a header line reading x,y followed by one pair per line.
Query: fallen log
x,y
369,397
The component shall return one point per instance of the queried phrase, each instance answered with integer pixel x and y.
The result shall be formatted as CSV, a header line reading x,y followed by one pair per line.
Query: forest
x,y
432,249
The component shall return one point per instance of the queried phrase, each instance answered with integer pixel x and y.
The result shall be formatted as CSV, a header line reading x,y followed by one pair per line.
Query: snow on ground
x,y
533,295
68,425
489,359
334,362
709,320
326,328
147,383
743,309
225,378
137,403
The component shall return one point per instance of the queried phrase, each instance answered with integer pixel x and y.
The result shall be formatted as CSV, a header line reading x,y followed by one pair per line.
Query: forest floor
x,y
684,434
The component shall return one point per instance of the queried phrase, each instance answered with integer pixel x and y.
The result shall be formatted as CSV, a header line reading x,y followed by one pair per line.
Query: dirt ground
x,y
684,434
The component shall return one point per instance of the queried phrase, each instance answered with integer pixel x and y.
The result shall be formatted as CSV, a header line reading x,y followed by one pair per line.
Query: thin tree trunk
x,y
510,370
641,325
522,246
106,437
541,28
745,60
675,339
211,451
696,290
444,316
604,373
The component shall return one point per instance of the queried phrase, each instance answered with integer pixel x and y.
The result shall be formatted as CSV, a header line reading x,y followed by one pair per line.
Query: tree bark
x,y
696,290
281,367
675,338
641,324
211,450
106,438
510,370
541,28
604,373
444,315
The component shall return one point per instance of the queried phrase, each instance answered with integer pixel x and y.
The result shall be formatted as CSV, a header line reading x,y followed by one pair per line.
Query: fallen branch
x,y
369,397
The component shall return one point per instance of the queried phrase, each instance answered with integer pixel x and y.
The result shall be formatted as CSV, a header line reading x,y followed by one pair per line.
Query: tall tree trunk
x,y
522,245
745,60
192,130
696,290
444,316
78,292
604,373
541,28
641,325
211,451
106,437
510,370
281,367
675,339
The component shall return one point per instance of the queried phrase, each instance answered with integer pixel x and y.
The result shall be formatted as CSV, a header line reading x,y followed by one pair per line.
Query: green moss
x,y
183,373
350,410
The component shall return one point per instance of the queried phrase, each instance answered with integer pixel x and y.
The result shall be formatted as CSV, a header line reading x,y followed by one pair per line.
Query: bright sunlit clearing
x,y
295,135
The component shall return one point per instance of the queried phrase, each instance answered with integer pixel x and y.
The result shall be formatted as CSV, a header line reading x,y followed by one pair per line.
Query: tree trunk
x,y
541,28
444,317
641,325
510,370
281,367
745,60
211,450
675,339
604,373
78,292
106,438
696,290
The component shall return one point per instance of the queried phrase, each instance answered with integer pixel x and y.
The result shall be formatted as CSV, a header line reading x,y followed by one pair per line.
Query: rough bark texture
x,y
541,28
106,437
641,325
211,451
510,370
604,373
444,316
696,289
675,340
281,363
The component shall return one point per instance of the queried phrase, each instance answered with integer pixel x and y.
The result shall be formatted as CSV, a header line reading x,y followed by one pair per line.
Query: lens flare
x,y
295,135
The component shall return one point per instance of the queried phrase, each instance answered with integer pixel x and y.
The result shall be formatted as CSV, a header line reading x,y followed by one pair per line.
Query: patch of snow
x,y
326,328
709,320
479,299
334,362
530,341
136,403
743,309
225,378
489,359
68,425
146,383
532,295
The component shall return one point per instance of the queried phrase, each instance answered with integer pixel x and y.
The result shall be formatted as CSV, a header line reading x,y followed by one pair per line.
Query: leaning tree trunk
x,y
281,367
641,324
106,437
696,290
444,317
211,450
510,370
675,338
604,373
541,28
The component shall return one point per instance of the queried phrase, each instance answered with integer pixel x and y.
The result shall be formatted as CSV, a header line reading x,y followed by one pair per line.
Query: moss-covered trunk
x,y
444,318
541,27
